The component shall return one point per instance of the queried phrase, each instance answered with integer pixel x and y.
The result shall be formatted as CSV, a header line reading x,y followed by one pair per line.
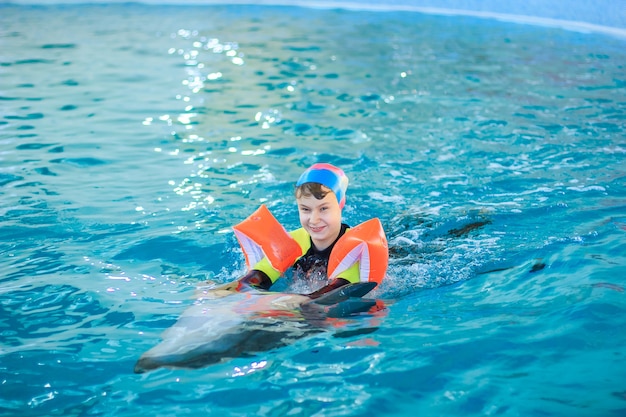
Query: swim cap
x,y
329,176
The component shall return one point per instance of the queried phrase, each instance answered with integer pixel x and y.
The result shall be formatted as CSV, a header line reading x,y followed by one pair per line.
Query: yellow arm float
x,y
365,244
261,235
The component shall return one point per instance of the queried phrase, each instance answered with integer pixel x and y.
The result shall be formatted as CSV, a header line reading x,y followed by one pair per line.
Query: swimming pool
x,y
133,137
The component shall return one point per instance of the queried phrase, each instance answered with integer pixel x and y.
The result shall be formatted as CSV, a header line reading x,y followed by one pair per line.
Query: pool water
x,y
133,137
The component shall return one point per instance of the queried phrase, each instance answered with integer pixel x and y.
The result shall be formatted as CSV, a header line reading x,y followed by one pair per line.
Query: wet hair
x,y
315,189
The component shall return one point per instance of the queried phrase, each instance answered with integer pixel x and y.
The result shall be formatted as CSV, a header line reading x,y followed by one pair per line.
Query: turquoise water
x,y
133,137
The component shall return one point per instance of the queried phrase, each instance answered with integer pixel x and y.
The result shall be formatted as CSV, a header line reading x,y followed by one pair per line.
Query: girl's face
x,y
320,218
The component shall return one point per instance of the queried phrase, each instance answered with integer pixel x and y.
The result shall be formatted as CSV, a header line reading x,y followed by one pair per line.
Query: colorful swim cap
x,y
329,176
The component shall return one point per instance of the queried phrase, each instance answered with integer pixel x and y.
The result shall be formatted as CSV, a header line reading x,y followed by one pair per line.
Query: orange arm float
x,y
365,243
262,235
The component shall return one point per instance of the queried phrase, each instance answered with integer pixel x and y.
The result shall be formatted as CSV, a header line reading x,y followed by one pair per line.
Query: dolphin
x,y
228,322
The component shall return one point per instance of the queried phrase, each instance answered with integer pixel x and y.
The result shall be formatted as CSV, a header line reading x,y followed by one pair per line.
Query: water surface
x,y
133,137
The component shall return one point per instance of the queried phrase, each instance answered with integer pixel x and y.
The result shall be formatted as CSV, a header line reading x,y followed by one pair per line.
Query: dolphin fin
x,y
345,292
350,307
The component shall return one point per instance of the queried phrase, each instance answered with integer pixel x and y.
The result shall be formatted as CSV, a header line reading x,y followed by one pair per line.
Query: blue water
x,y
132,137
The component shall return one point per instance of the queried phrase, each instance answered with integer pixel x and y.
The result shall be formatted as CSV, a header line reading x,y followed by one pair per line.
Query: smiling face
x,y
321,218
